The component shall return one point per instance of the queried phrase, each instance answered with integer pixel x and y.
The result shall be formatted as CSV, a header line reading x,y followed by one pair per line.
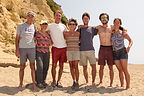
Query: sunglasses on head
x,y
44,24
102,18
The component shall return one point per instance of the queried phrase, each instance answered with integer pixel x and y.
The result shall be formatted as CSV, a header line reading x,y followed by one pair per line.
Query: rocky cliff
x,y
13,12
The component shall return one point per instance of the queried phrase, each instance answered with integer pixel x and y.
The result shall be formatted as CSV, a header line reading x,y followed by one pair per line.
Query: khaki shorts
x,y
73,55
86,56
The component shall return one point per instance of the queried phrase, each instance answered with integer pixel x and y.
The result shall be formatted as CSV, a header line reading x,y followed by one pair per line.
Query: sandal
x,y
53,84
59,85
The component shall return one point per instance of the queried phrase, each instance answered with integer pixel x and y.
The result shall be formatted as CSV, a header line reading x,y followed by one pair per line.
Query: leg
x,y
101,73
45,65
121,77
53,71
93,72
111,73
85,73
55,58
76,70
124,64
32,66
72,70
39,64
60,71
21,73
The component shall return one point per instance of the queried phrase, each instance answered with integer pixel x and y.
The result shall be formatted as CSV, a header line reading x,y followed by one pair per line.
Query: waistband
x,y
104,46
124,48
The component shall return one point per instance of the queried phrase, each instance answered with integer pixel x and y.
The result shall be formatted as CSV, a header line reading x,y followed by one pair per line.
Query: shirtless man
x,y
105,52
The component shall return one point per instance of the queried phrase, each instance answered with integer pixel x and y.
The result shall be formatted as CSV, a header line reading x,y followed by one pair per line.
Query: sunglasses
x,y
71,24
102,18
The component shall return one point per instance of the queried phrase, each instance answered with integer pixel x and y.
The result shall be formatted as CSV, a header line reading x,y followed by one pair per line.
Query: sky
x,y
130,11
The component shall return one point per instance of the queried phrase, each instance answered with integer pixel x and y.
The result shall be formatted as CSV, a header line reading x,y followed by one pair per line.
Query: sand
x,y
9,80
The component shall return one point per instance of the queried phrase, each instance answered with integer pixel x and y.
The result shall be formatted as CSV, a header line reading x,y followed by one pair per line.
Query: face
x,y
30,18
72,26
104,19
57,17
85,20
44,26
117,23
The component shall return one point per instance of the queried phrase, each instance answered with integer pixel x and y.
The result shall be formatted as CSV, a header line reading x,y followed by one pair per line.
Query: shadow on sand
x,y
68,89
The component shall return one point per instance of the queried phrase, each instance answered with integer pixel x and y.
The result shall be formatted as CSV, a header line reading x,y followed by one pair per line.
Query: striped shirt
x,y
43,42
72,41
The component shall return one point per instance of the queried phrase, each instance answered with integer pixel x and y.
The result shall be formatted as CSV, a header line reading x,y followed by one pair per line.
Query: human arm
x,y
126,36
17,40
17,45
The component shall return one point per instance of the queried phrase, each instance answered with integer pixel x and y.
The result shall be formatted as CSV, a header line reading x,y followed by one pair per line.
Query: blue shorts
x,y
120,54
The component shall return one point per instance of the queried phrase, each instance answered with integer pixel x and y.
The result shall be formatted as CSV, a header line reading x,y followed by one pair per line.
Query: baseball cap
x,y
31,13
43,22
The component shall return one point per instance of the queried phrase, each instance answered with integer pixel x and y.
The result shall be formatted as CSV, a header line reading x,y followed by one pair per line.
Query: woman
x,y
120,51
73,53
43,41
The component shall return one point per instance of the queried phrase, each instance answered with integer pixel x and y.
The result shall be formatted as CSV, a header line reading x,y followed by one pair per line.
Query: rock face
x,y
13,12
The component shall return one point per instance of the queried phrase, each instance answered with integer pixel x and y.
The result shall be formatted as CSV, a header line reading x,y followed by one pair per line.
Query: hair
x,y
121,28
103,14
73,20
57,11
119,20
86,14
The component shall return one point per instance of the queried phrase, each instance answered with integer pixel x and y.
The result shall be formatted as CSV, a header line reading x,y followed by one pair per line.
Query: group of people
x,y
73,45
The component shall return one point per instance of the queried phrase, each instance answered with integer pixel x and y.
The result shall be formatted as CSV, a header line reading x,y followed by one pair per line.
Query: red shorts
x,y
58,54
105,55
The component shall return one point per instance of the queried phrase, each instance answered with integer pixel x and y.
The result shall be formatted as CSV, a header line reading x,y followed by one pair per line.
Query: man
x,y
105,51
87,52
59,47
25,47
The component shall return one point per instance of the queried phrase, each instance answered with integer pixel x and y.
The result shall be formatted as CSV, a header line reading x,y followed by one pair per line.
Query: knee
x,y
76,67
93,67
54,67
22,67
84,69
61,67
32,66
101,69
120,70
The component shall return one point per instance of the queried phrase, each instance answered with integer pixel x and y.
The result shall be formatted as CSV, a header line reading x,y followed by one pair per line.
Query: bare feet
x,y
110,85
87,84
127,87
100,84
20,86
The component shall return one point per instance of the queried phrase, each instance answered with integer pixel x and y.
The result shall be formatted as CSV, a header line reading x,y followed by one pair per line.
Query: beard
x,y
105,23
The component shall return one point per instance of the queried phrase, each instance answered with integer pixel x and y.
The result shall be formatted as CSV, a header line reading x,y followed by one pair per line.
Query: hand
x,y
127,49
79,26
48,32
17,54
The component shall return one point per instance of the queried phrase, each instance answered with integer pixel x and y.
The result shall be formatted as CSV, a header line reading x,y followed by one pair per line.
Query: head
x,y
104,18
117,23
72,23
30,17
43,24
85,18
57,16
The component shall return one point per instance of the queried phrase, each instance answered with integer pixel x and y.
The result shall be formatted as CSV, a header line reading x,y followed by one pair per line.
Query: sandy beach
x,y
9,80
